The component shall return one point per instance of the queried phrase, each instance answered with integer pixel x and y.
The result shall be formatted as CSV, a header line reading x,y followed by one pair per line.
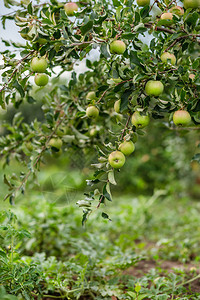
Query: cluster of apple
x,y
91,111
117,158
39,66
152,88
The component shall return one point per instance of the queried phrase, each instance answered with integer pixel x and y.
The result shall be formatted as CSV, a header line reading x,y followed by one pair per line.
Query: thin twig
x,y
100,200
126,126
158,28
181,38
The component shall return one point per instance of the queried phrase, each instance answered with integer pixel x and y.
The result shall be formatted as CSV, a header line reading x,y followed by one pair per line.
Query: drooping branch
x,y
16,69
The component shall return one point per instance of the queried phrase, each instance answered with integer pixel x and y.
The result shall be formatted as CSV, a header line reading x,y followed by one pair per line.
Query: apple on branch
x,y
41,79
168,57
154,88
143,2
117,106
127,147
70,8
91,95
39,65
92,111
116,159
55,143
181,118
117,47
139,121
177,10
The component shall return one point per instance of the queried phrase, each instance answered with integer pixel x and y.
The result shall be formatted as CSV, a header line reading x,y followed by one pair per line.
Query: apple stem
x,y
123,132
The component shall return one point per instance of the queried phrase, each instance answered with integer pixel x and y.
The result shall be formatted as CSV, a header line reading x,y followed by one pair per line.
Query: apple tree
x,y
146,70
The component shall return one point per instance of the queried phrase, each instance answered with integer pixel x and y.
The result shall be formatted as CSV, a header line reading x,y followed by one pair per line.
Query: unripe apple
x,y
117,106
154,88
93,132
91,95
166,57
127,147
29,146
191,4
39,65
92,111
166,16
55,143
140,121
191,76
177,10
41,79
70,8
181,118
143,2
116,159
117,47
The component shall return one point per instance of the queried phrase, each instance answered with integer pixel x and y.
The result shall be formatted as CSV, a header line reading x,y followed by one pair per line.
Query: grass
x,y
150,249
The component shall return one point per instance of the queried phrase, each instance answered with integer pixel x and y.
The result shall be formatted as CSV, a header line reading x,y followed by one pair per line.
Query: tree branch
x,y
158,28
40,154
126,126
16,69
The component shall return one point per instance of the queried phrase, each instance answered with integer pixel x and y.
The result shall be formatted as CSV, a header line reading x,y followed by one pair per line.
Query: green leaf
x,y
116,3
19,88
105,216
196,157
106,193
3,257
86,27
144,11
30,8
104,50
132,294
125,100
111,177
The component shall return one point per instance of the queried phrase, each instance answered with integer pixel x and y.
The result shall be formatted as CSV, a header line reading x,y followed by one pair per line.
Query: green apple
x,y
127,147
41,79
154,88
91,95
93,132
143,2
177,10
140,121
39,65
117,106
166,57
55,143
166,16
92,111
70,8
181,118
29,146
191,4
117,47
116,159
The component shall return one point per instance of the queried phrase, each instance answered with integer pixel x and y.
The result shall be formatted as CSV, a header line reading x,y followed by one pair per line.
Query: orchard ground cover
x,y
150,249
